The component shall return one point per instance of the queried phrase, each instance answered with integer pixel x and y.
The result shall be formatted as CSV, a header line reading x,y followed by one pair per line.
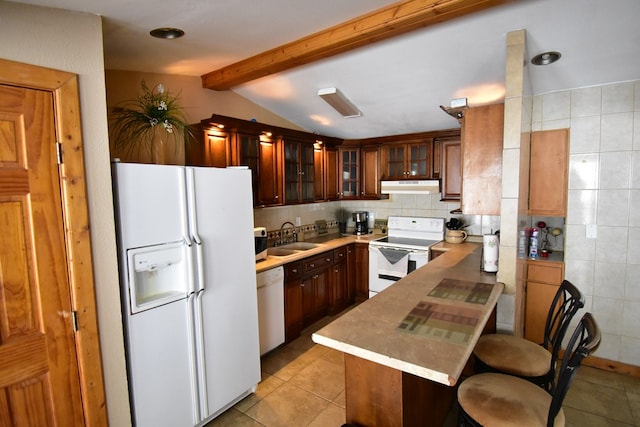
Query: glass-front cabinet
x,y
411,160
350,172
298,171
260,154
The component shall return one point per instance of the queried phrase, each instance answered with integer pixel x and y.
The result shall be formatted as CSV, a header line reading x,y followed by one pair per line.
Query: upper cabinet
x,y
299,177
449,153
408,160
482,136
548,173
358,174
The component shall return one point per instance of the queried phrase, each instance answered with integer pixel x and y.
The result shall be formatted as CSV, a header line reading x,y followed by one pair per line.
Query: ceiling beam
x,y
390,21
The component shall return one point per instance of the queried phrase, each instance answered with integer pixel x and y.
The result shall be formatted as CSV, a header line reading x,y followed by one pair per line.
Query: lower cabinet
x,y
362,272
318,286
543,280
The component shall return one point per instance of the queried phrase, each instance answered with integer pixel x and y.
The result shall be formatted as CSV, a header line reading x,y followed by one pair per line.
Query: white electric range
x,y
404,249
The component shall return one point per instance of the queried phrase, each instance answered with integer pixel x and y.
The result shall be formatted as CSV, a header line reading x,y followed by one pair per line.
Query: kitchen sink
x,y
280,251
299,246
291,248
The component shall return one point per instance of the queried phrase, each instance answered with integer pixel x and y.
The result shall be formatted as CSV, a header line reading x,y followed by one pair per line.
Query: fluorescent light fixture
x,y
339,102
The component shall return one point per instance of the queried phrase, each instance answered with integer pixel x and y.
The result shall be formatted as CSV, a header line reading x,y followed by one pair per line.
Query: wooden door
x,y
39,375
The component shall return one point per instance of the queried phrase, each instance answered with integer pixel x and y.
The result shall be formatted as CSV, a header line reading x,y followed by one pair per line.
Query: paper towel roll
x,y
490,246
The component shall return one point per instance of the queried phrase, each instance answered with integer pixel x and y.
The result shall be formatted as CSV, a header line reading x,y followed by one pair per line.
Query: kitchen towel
x,y
393,264
490,246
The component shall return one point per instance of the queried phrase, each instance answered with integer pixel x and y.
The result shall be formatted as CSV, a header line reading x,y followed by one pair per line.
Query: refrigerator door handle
x,y
194,355
193,229
201,359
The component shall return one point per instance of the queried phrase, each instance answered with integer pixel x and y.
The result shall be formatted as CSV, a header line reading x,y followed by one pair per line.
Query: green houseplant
x,y
146,125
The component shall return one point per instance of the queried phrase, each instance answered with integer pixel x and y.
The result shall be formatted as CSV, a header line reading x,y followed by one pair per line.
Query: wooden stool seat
x,y
513,355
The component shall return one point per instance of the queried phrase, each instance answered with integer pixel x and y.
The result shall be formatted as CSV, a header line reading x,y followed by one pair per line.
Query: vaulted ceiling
x,y
278,53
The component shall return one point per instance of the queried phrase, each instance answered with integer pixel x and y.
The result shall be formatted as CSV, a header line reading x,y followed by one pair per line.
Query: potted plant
x,y
148,123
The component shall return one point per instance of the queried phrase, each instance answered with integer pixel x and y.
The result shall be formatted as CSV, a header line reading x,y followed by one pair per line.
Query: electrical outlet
x,y
592,231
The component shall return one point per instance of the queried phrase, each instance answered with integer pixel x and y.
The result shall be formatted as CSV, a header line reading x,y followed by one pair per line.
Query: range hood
x,y
418,186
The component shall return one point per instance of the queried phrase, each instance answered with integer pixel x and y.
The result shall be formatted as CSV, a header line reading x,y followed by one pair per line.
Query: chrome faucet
x,y
295,233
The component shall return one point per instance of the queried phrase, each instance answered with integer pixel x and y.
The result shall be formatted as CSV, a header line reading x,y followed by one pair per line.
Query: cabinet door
x,y
482,135
318,170
299,172
370,179
351,274
396,162
349,172
269,178
216,150
249,148
548,173
451,162
362,272
538,299
293,318
331,182
436,172
419,160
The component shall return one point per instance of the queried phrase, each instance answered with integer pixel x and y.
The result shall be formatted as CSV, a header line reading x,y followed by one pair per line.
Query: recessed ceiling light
x,y
167,33
546,58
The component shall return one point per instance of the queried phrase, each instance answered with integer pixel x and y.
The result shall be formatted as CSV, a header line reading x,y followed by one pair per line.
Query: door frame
x,y
66,104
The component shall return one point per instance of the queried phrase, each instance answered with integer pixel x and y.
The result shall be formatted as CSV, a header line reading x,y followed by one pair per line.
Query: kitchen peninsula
x,y
406,348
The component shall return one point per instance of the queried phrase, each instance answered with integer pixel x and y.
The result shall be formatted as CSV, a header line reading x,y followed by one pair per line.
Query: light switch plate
x,y
592,231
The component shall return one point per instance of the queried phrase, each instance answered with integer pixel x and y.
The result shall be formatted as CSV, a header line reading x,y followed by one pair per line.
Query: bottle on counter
x,y
533,243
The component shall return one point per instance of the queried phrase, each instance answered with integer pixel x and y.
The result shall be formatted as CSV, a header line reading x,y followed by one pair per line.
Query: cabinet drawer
x,y
292,270
551,273
317,262
340,254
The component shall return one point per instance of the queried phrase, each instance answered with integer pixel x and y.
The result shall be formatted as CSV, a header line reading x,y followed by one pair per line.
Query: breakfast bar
x,y
406,348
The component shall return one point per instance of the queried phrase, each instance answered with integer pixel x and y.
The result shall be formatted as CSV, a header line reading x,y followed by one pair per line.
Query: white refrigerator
x,y
188,287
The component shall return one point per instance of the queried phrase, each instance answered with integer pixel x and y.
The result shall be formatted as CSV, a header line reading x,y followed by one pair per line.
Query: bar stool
x,y
516,356
492,399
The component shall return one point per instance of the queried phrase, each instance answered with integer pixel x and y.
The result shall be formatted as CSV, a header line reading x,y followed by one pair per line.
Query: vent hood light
x,y
339,102
420,186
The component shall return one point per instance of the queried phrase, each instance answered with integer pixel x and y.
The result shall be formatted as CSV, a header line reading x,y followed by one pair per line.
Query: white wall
x,y
604,190
73,42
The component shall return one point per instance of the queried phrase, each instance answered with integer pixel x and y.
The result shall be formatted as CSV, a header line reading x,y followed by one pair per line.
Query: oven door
x,y
379,276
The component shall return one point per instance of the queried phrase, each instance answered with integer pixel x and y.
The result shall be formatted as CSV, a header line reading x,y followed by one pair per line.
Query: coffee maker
x,y
361,220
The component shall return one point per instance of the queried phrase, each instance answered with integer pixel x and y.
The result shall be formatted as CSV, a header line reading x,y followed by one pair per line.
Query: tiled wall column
x,y
517,119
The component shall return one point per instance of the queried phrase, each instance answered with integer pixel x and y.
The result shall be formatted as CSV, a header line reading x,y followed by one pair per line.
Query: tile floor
x,y
303,385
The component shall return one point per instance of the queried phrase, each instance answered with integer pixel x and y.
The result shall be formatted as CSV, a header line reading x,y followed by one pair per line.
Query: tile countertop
x,y
370,330
327,242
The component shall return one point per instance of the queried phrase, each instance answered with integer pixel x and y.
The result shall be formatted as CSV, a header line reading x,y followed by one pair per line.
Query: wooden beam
x,y
384,23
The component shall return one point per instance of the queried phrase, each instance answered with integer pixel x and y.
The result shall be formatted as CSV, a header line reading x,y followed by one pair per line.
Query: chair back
x,y
566,303
584,341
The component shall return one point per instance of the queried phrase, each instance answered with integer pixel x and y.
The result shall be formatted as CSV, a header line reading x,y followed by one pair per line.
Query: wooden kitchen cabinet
x,y
543,280
260,154
330,173
451,169
370,173
351,274
482,137
293,310
548,173
349,172
362,272
410,160
298,171
339,293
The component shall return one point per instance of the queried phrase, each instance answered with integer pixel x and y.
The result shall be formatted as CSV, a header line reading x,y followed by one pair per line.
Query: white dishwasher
x,y
270,308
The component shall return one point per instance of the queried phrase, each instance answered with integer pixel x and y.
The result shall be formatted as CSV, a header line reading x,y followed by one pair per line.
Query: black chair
x,y
507,354
492,399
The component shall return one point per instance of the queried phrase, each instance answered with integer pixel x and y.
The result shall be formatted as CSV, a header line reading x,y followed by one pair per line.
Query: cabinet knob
x,y
328,259
295,270
312,265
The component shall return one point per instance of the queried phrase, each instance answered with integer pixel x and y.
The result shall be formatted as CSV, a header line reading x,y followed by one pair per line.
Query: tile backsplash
x,y
423,205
